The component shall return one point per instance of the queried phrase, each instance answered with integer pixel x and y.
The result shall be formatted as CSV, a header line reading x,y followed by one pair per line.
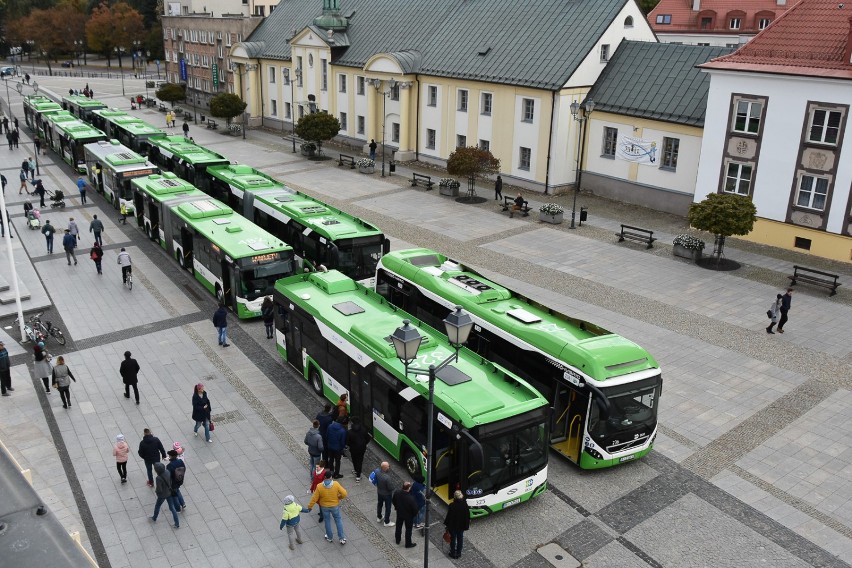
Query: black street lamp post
x,y
406,341
297,75
587,108
119,51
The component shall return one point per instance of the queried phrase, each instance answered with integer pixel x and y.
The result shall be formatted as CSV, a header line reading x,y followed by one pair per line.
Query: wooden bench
x,y
417,179
812,276
211,124
509,205
636,234
346,159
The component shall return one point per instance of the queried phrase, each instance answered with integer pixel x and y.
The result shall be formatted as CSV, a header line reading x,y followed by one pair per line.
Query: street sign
x,y
183,69
215,71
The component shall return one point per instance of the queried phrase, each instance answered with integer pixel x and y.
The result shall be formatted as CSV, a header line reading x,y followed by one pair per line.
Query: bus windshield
x,y
633,412
512,455
258,281
358,260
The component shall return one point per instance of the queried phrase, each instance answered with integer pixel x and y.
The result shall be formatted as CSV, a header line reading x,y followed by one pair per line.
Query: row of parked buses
x,y
529,377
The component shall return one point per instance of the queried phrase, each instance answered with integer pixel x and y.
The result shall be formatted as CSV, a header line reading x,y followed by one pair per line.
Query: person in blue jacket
x,y
336,444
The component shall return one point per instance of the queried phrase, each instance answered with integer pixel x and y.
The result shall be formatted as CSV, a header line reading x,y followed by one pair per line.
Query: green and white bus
x,y
490,431
319,233
156,192
68,136
110,168
102,119
604,389
233,258
36,109
185,158
133,132
81,106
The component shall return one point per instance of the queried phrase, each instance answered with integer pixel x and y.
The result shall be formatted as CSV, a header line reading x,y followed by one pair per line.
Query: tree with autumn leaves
x,y
111,27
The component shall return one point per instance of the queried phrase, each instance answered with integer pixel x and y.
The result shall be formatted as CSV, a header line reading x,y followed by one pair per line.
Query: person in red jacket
x,y
319,476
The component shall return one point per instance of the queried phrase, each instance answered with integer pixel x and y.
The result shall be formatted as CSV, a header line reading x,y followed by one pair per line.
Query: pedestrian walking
x,y
48,232
15,121
185,129
456,522
384,491
31,167
9,140
774,312
406,510
498,188
5,371
6,124
357,438
328,494
290,518
40,191
267,312
69,243
313,439
151,451
37,143
97,256
342,402
16,135
786,300
325,419
177,473
163,490
42,368
81,187
4,181
318,477
201,410
121,450
129,371
27,78
168,119
96,227
62,378
336,444
74,229
220,322
23,177
418,490
373,147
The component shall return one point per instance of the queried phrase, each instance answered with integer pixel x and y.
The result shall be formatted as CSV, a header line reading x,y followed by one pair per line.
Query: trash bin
x,y
392,167
203,118
584,213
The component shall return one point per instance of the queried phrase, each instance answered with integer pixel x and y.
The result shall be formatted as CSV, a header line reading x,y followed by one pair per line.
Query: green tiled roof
x,y
656,80
534,43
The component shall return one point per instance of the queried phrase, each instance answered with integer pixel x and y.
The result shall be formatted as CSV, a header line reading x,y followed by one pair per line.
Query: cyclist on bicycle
x,y
124,261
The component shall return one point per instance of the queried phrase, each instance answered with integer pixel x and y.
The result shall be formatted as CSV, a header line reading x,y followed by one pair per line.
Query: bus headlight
x,y
594,453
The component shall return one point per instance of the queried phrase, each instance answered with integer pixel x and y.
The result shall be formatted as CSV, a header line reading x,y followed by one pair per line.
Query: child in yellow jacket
x,y
290,518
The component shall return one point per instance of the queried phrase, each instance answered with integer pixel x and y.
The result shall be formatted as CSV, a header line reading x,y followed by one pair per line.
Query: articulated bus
x,y
604,389
233,258
102,119
185,158
110,168
319,233
81,106
155,193
67,137
490,431
36,109
134,132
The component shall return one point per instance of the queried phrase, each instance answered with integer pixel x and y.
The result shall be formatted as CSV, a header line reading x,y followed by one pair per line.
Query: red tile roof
x,y
812,38
685,19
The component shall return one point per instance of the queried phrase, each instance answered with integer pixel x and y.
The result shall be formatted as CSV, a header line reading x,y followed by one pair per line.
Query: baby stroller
x,y
33,216
57,198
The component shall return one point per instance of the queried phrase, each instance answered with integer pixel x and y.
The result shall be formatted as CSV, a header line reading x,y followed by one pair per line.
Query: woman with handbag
x,y
457,521
774,312
41,365
201,410
62,378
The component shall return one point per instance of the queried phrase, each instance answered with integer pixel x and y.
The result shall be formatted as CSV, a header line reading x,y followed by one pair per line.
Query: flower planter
x,y
683,252
367,169
547,218
450,190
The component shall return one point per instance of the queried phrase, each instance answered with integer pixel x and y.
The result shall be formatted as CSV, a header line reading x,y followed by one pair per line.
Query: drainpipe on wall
x,y
260,82
417,121
549,141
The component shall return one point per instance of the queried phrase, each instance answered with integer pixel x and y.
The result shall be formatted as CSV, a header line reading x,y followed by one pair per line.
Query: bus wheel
x,y
148,232
409,460
316,381
180,258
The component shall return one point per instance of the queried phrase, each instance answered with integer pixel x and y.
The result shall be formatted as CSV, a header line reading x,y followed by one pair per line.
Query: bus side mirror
x,y
386,246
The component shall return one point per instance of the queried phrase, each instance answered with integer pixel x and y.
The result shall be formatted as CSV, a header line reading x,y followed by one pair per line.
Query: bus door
x,y
575,422
360,400
99,177
229,280
153,214
293,342
185,260
447,463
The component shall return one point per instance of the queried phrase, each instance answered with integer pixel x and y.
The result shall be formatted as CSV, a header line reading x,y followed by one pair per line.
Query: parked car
x,y
68,63
4,71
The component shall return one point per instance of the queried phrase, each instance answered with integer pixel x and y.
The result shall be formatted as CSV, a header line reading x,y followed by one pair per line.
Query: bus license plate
x,y
512,502
627,458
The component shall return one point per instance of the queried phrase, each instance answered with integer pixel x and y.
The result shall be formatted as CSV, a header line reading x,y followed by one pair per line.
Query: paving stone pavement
x,y
752,461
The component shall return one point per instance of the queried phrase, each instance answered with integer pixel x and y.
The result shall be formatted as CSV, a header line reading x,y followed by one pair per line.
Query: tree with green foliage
x,y
227,106
472,162
171,93
723,214
317,127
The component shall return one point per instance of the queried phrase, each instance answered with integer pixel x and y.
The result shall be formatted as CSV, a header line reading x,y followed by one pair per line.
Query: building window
x,y
735,23
670,151
462,100
487,100
529,110
763,23
628,22
274,107
362,85
342,85
461,141
604,53
285,75
430,138
272,75
395,132
748,117
344,122
360,125
299,76
812,192
525,159
485,145
301,111
738,178
706,23
825,125
610,140
432,96
288,110
664,19
394,93
324,71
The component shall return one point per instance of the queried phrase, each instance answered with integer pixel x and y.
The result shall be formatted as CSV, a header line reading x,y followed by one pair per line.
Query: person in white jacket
x,y
124,262
774,313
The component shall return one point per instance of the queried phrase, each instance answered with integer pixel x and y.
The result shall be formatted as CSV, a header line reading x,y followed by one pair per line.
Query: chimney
x,y
696,5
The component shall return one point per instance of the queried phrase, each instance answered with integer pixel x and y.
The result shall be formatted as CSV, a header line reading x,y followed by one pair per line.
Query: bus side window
x,y
386,402
282,319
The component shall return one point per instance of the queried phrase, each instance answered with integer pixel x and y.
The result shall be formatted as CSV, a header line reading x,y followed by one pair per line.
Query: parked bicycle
x,y
47,328
32,332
